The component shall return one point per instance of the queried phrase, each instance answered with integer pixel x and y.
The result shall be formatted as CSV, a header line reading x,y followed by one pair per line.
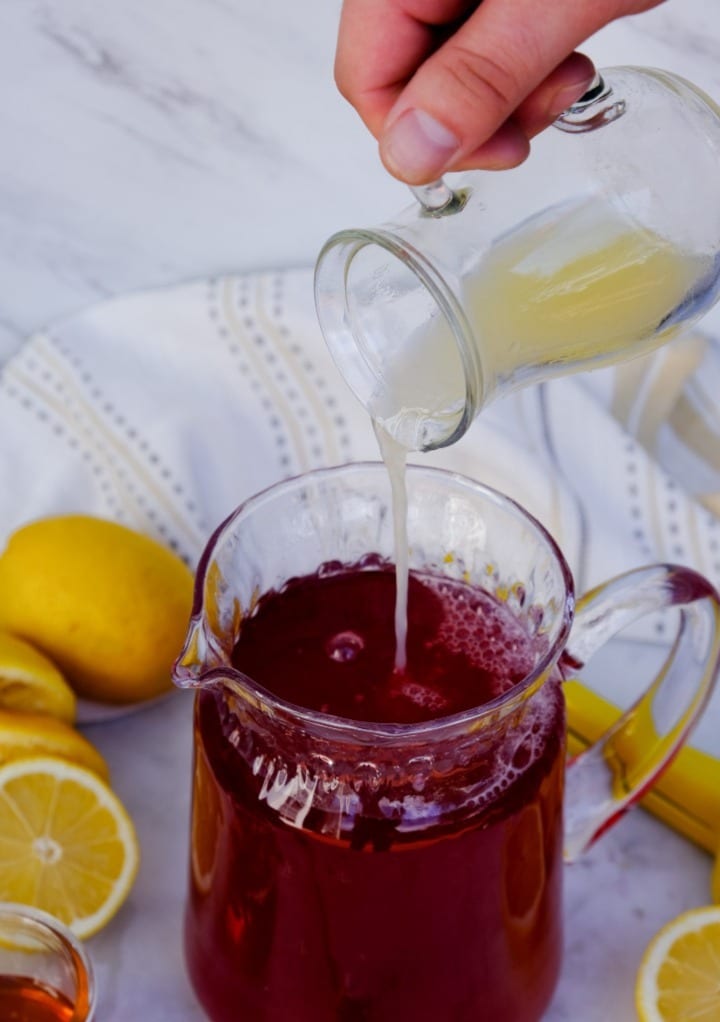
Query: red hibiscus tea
x,y
377,837
406,875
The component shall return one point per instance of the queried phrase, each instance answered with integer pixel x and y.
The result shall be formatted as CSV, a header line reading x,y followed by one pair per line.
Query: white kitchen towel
x,y
165,409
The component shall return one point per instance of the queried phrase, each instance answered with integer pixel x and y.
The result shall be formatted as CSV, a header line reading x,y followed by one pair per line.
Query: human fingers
x,y
511,142
459,108
382,43
562,87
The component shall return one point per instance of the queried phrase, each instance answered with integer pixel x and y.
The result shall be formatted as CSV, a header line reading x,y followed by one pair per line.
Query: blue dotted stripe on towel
x,y
106,463
300,412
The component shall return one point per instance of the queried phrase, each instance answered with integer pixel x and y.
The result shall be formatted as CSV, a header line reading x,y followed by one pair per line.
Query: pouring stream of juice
x,y
395,457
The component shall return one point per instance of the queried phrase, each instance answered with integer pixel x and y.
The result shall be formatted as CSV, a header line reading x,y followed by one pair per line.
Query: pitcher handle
x,y
614,772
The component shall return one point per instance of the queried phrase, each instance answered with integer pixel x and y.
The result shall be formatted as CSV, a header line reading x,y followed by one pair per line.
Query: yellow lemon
x,y
67,845
107,604
29,681
35,734
679,977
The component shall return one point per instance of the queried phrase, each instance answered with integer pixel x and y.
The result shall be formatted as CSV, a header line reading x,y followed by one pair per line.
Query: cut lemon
x,y
36,734
31,682
679,977
67,844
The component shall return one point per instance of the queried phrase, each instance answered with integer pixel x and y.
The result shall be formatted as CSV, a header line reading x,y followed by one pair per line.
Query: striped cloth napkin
x,y
164,410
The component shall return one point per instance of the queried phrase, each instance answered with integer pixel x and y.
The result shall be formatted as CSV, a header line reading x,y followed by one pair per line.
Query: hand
x,y
458,84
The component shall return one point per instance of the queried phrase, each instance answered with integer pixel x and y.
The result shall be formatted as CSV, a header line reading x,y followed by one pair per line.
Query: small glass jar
x,y
45,973
600,247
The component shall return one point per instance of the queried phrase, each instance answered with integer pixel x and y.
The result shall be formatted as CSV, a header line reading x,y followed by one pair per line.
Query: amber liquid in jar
x,y
23,999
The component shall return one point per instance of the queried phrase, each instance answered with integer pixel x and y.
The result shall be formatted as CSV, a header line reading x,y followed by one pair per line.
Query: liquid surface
x,y
23,999
341,882
328,642
582,286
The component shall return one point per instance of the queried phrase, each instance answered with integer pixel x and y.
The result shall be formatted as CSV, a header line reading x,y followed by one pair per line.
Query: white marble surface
x,y
148,143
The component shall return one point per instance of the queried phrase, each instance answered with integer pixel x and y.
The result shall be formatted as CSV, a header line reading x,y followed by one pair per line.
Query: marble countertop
x,y
149,143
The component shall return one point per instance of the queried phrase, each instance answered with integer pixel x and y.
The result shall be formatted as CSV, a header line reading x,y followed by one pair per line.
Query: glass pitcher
x,y
601,246
346,868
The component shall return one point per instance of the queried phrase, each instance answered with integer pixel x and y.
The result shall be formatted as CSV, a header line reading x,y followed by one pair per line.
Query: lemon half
x,y
31,682
36,734
67,844
679,978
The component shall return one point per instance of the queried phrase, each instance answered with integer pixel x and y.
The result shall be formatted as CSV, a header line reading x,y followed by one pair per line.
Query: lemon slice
x,y
679,977
31,682
36,734
67,844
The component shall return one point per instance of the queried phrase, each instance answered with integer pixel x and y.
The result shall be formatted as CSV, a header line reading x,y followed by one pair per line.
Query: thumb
x,y
457,109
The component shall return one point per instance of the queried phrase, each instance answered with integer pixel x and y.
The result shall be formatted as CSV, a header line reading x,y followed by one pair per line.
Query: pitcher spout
x,y
198,663
216,617
188,670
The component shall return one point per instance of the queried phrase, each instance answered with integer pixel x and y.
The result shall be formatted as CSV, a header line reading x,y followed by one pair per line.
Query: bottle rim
x,y
31,926
344,337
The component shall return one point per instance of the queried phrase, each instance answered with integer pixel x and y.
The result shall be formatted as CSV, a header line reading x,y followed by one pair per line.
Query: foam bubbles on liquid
x,y
421,695
524,744
486,632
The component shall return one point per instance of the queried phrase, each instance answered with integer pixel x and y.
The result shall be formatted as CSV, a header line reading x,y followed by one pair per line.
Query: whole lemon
x,y
108,605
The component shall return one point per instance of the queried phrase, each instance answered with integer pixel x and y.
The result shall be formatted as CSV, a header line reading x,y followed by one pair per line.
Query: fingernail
x,y
416,147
